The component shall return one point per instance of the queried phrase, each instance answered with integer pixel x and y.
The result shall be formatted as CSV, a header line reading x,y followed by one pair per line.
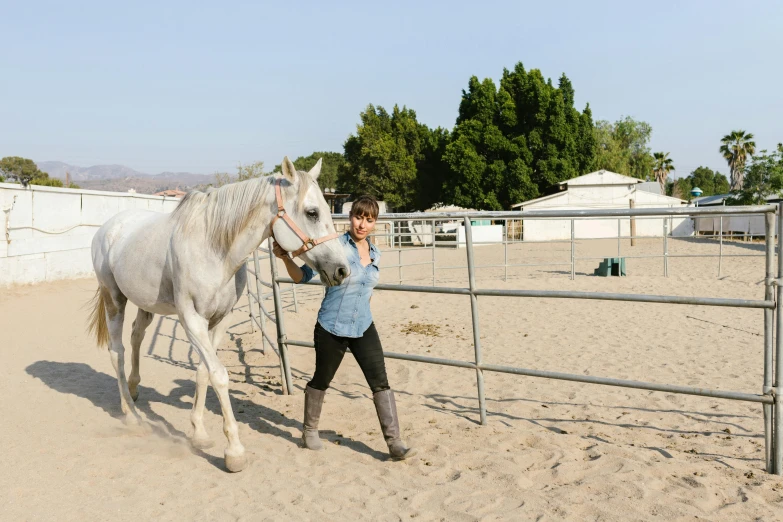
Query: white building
x,y
602,190
745,225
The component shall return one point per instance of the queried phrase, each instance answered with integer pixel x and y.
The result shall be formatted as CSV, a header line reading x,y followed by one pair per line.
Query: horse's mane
x,y
226,211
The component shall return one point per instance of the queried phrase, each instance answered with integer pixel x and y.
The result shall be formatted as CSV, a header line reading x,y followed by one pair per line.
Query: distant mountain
x,y
185,177
57,169
119,178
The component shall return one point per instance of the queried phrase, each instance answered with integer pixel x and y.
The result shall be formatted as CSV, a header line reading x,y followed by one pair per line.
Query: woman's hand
x,y
278,251
291,267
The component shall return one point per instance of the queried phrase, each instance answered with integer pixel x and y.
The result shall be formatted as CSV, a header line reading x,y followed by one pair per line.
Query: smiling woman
x,y
345,321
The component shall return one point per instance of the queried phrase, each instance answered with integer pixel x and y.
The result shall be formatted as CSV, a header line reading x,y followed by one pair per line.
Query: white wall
x,y
481,234
47,231
421,233
738,225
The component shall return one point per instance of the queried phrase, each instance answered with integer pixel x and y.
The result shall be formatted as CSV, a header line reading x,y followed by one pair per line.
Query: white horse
x,y
192,263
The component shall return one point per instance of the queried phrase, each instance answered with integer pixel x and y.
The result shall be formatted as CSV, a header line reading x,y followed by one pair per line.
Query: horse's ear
x,y
316,170
289,171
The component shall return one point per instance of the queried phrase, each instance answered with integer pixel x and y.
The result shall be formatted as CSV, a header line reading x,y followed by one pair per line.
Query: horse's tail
x,y
97,325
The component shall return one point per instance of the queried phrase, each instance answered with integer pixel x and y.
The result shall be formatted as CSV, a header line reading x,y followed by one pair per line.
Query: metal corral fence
x,y
408,233
772,385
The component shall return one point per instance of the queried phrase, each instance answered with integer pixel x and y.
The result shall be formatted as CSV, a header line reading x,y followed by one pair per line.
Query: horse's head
x,y
305,205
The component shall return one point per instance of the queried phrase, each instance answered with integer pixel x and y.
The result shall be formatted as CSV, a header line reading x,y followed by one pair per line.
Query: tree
x,y
662,167
222,178
26,172
622,147
762,178
381,159
431,169
710,182
254,170
43,179
736,148
514,142
332,162
22,170
244,172
679,188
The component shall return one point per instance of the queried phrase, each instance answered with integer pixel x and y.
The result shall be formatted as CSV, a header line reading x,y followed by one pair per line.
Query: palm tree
x,y
736,148
662,166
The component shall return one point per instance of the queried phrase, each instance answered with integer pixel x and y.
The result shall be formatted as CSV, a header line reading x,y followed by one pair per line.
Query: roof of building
x,y
706,201
171,193
657,196
719,199
538,200
601,177
650,186
597,179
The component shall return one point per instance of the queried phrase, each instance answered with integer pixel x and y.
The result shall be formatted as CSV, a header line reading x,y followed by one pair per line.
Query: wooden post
x,y
632,204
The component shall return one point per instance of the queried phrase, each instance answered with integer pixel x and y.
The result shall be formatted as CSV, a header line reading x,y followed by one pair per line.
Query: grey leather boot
x,y
390,425
314,399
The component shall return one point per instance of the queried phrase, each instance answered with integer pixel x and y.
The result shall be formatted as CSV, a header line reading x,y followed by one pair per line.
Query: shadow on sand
x,y
71,378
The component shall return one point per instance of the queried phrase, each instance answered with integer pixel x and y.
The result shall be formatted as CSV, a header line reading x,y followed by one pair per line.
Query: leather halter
x,y
307,242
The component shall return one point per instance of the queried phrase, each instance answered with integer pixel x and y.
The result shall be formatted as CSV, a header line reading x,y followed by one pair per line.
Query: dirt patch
x,y
428,329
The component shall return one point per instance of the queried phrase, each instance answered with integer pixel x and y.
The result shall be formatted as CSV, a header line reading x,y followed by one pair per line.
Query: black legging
x,y
329,352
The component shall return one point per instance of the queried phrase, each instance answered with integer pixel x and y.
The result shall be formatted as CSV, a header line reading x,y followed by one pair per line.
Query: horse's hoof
x,y
134,395
202,444
236,463
131,419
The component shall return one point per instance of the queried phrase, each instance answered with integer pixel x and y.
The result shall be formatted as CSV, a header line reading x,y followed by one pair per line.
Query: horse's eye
x,y
312,214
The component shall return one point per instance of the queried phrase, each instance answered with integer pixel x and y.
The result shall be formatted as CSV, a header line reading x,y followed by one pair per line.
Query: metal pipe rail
x,y
588,379
428,234
771,397
621,212
565,294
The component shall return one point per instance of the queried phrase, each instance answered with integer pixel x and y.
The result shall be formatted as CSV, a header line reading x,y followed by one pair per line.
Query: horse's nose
x,y
341,274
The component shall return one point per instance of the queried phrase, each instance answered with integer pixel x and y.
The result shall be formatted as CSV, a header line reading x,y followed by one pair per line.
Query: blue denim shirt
x,y
345,310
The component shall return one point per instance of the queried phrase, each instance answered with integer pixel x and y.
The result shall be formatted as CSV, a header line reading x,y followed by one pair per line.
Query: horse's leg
x,y
115,316
197,330
143,320
200,438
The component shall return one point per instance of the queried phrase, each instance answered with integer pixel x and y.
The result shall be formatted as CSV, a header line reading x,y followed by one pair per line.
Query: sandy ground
x,y
552,450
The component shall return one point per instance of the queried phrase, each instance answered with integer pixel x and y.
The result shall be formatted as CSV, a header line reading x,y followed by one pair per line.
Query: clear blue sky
x,y
197,86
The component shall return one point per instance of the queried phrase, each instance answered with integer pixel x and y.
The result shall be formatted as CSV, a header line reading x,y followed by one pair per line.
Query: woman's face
x,y
361,226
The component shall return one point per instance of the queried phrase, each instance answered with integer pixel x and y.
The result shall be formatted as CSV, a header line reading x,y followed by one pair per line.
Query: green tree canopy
x,y
332,162
736,148
515,142
762,177
431,169
382,158
26,172
710,182
623,147
663,165
20,169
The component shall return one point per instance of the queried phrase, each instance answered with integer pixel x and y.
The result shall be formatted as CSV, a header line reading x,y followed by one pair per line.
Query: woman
x,y
345,321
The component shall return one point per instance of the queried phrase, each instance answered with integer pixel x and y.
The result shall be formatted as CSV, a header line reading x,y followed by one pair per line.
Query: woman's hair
x,y
365,206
